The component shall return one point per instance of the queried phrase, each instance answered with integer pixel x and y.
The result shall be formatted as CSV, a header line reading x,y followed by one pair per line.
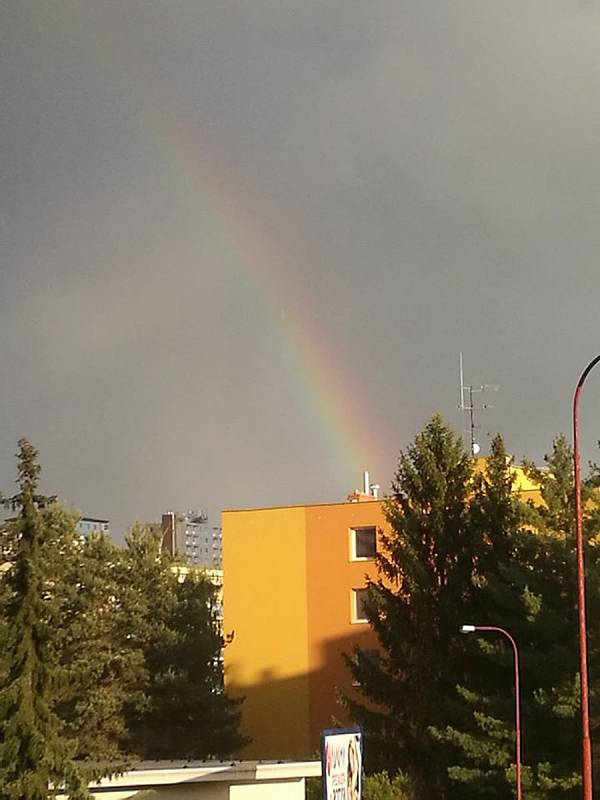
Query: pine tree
x,y
443,535
533,596
33,755
186,713
98,671
190,716
103,668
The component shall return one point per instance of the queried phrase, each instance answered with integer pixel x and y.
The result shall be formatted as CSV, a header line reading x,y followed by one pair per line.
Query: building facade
x,y
89,525
294,584
295,581
190,534
232,780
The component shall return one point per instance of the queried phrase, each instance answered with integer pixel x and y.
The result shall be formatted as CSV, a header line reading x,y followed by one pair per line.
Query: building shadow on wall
x,y
284,715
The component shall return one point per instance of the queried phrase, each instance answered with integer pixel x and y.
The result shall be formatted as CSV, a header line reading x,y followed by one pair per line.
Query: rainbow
x,y
331,393
334,396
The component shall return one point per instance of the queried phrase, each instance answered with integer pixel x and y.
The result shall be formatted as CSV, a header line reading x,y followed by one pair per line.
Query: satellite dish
x,y
476,448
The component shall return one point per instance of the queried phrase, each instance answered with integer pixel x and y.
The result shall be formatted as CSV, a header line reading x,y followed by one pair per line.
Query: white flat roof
x,y
164,773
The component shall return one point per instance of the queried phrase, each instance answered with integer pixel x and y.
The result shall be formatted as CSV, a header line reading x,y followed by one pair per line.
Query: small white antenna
x,y
468,408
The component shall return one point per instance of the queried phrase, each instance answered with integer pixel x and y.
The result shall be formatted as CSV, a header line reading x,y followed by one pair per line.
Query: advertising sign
x,y
341,763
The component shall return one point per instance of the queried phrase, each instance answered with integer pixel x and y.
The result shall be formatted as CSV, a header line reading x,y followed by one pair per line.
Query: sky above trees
x,y
244,243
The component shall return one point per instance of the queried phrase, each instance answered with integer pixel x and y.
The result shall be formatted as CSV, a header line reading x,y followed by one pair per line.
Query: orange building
x,y
294,581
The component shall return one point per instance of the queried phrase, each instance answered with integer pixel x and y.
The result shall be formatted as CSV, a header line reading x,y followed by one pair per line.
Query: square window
x,y
363,542
359,599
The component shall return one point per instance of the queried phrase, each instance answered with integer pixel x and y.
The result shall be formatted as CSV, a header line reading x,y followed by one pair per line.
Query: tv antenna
x,y
467,405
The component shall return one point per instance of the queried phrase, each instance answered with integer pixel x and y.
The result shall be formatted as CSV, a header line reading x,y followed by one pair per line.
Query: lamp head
x,y
467,629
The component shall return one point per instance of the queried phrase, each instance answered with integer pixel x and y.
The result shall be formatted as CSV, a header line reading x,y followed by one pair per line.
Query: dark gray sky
x,y
243,243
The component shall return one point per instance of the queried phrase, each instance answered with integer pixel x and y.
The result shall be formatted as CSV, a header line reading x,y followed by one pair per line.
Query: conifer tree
x,y
447,527
186,712
33,755
105,654
533,596
98,670
103,668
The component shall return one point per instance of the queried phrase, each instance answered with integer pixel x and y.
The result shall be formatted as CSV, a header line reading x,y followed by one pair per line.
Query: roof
x,y
301,505
164,773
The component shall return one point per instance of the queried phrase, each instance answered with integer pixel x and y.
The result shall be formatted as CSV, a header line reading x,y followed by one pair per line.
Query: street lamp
x,y
495,629
586,745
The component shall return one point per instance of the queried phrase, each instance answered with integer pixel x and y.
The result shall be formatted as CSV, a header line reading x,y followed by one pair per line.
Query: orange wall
x,y
524,487
331,576
288,578
264,562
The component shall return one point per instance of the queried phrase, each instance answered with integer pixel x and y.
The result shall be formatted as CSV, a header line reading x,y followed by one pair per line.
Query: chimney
x,y
168,542
369,491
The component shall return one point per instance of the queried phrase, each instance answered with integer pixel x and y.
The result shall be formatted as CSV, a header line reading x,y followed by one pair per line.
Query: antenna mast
x,y
468,408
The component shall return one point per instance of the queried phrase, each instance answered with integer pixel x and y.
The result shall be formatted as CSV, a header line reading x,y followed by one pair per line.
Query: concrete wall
x,y
292,789
332,574
238,780
264,602
288,581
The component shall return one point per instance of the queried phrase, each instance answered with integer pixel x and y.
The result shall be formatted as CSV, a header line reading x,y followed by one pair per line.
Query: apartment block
x,y
294,588
295,581
89,525
190,534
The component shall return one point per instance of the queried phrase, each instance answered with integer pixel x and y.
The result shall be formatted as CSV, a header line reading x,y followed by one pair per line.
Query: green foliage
x,y
313,789
375,787
381,787
105,653
447,529
463,548
33,754
533,595
103,668
185,712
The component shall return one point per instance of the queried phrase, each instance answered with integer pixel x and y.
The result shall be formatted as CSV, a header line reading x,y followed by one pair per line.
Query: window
x,y
359,598
363,542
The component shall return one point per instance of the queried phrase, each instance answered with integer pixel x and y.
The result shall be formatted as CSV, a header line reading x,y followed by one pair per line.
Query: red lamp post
x,y
473,629
586,745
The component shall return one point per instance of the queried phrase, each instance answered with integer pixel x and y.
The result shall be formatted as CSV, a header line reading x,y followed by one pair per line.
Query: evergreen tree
x,y
446,528
185,713
534,597
33,755
189,714
105,654
103,668
98,670
148,597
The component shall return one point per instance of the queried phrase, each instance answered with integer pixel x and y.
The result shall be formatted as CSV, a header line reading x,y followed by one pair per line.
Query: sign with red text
x,y
341,763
